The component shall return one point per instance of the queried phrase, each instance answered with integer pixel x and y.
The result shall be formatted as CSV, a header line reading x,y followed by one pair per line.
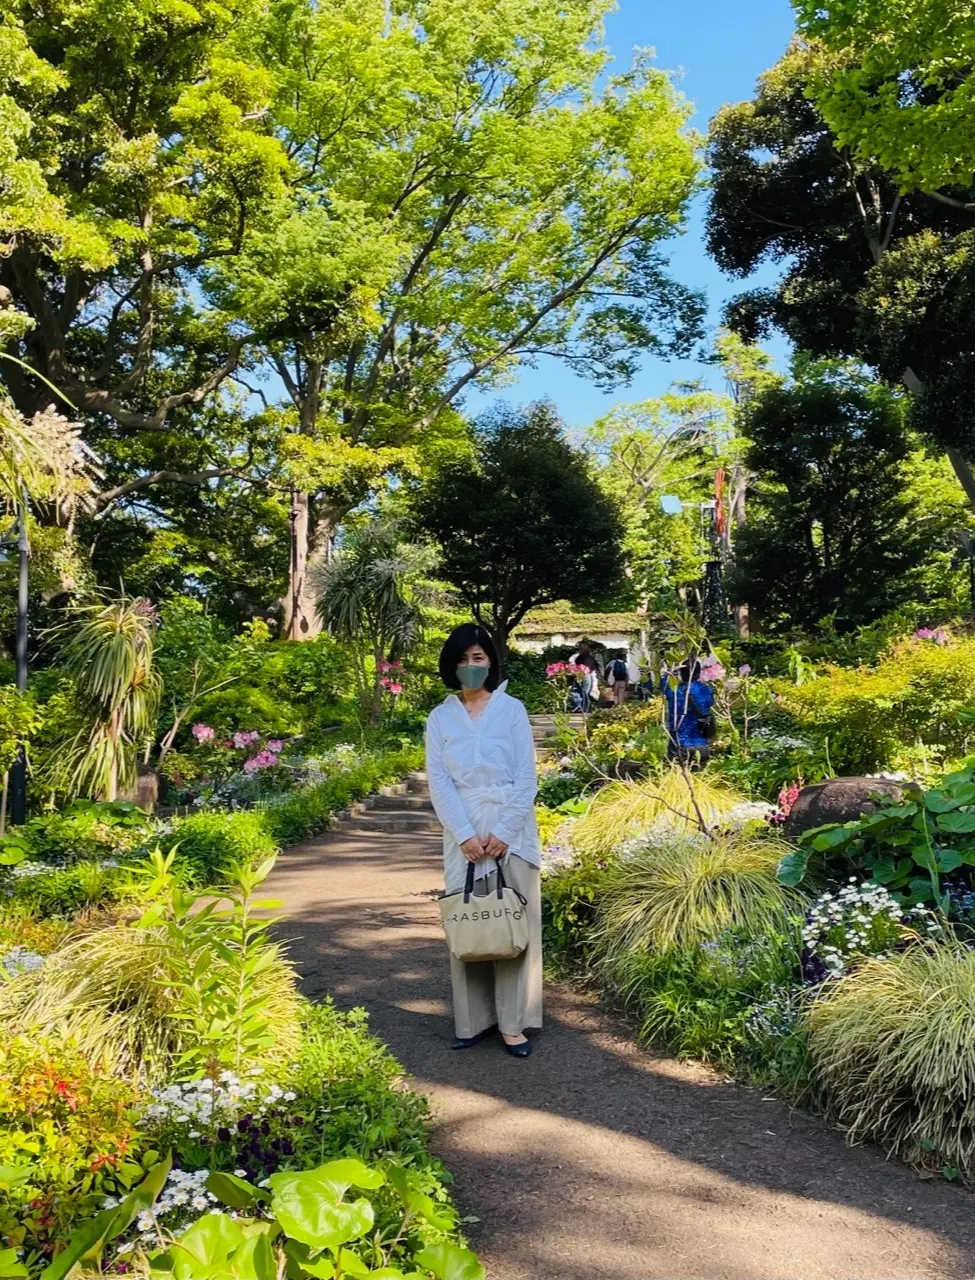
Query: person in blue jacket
x,y
690,714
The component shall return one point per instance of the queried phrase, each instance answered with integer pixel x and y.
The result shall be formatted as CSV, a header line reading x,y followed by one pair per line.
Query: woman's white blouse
x,y
482,780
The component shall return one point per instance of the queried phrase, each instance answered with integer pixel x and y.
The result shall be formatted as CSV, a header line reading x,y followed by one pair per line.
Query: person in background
x,y
584,657
690,714
618,676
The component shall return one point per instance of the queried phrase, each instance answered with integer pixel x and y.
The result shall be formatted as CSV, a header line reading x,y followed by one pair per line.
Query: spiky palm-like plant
x,y
370,596
108,651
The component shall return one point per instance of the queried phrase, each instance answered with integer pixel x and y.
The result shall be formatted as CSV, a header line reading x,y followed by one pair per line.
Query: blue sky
x,y
720,48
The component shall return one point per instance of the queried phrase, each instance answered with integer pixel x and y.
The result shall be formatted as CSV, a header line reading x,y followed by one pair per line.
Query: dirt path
x,y
594,1160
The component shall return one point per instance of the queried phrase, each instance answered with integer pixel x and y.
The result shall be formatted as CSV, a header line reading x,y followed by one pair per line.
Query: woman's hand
x,y
473,849
494,848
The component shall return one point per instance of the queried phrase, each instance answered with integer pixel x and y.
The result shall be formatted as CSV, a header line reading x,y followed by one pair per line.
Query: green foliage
x,y
307,1226
20,718
527,682
108,653
86,829
730,1001
570,898
837,533
624,810
62,892
208,844
912,708
892,1047
898,87
632,736
908,846
68,1137
525,524
675,891
188,983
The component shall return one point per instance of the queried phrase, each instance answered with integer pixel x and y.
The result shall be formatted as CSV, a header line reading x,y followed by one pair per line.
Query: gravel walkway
x,y
594,1160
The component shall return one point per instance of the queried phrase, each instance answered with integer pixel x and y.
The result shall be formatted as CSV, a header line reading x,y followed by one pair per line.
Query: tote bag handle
x,y
469,882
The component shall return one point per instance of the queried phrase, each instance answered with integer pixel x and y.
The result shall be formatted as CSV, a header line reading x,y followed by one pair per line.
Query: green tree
x,y
847,520
901,88
868,273
525,523
496,196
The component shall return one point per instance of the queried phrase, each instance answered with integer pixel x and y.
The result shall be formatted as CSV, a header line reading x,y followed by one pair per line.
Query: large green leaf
x,y
449,1261
944,800
232,1191
949,860
793,866
309,1207
830,838
957,823
10,1265
417,1201
205,1248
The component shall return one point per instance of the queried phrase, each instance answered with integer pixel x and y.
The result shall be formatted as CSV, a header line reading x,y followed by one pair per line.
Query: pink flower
x,y
925,633
263,760
745,670
202,732
242,739
275,745
712,671
385,667
395,688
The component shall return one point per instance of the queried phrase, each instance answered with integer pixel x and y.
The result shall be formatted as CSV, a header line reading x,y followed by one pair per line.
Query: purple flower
x,y
202,732
275,745
745,670
242,739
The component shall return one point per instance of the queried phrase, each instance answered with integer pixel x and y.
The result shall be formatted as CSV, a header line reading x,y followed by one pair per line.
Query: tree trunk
x,y
300,621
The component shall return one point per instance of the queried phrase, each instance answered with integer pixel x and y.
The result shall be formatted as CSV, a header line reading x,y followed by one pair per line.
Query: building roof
x,y
552,621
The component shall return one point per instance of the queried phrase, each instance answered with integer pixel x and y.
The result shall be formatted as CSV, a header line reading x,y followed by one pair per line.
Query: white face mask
x,y
472,677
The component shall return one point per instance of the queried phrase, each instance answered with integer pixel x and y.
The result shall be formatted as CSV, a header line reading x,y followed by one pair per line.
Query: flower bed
x,y
732,946
160,1069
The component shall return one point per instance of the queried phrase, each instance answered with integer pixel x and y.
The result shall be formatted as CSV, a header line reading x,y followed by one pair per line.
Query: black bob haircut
x,y
457,644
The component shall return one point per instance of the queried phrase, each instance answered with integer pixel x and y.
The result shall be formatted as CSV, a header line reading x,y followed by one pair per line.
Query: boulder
x,y
838,800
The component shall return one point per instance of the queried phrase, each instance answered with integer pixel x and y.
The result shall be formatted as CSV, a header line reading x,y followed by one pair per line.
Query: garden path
x,y
595,1158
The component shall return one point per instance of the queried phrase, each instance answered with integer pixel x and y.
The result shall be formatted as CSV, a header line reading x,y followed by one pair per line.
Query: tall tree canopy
x,y
371,205
903,88
868,272
525,523
848,526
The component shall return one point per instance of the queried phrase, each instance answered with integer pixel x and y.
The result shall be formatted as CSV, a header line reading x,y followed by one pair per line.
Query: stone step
x,y
404,800
381,823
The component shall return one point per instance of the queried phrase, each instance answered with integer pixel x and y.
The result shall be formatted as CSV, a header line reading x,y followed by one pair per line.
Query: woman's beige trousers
x,y
506,992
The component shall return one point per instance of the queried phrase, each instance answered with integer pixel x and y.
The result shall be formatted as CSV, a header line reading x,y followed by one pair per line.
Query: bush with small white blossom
x,y
19,960
858,920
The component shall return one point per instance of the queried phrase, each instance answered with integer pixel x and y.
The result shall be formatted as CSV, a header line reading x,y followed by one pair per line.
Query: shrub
x,y
212,841
67,1136
61,892
918,694
570,897
732,1001
185,988
894,1048
679,890
86,829
622,810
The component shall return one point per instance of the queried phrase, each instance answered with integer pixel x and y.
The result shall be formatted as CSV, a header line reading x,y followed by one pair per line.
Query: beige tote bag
x,y
494,927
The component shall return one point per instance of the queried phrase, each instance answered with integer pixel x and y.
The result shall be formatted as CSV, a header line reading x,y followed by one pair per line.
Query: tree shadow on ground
x,y
594,1158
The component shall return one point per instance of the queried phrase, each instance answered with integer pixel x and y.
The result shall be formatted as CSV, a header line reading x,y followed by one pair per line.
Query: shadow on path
x,y
593,1158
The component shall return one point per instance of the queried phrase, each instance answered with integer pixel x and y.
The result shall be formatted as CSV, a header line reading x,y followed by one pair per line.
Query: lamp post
x,y
18,773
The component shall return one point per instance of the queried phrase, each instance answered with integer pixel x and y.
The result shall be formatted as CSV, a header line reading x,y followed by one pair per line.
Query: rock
x,y
837,800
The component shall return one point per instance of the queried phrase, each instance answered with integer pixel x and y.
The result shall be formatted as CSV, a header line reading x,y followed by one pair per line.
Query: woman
x,y
690,704
481,771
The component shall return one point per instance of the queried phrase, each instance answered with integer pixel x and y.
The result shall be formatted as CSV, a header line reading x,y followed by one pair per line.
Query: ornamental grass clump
x,y
622,811
677,891
893,1045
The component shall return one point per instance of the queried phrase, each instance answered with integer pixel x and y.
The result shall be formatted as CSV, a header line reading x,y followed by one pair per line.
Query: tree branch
x,y
166,477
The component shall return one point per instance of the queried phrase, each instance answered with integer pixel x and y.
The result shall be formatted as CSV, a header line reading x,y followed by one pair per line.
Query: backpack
x,y
707,725
619,670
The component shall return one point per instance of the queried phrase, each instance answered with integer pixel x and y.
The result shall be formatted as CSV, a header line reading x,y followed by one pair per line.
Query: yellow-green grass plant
x,y
893,1047
679,890
623,810
115,993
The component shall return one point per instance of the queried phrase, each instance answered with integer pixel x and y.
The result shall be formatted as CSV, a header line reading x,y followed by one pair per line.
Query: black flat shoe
x,y
522,1050
468,1042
